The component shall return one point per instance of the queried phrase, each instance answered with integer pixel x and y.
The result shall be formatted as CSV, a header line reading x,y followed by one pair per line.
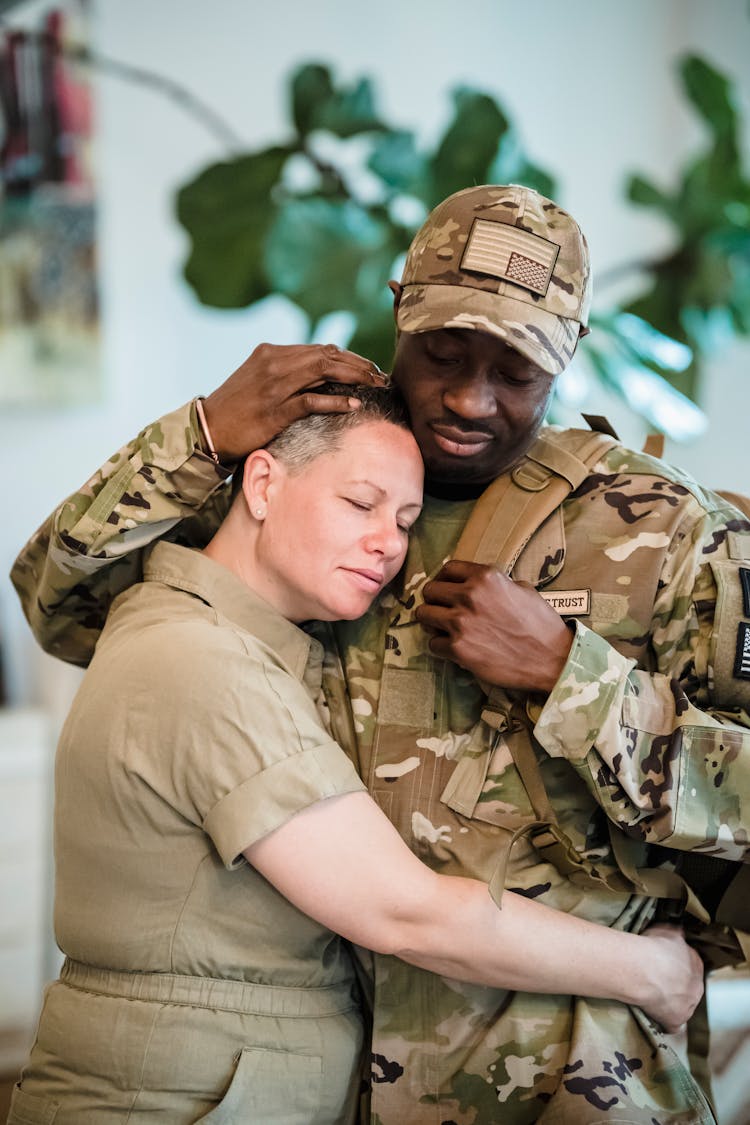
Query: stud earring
x,y
260,513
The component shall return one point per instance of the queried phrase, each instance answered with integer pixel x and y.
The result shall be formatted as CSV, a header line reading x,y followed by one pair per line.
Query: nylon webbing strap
x,y
545,832
509,512
654,882
734,907
698,1048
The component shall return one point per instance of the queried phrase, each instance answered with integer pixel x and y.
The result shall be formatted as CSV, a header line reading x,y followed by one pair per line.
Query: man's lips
x,y
461,443
370,580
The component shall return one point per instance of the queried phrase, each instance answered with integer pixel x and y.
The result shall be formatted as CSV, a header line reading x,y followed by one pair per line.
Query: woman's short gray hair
x,y
307,438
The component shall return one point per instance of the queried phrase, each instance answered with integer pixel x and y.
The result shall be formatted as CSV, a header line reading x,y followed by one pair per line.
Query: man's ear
x,y
397,290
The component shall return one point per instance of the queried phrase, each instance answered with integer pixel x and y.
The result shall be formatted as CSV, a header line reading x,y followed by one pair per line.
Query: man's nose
x,y
471,397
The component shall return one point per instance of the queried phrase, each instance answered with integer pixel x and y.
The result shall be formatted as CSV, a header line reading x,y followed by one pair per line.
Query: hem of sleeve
x,y
185,444
193,473
587,694
266,801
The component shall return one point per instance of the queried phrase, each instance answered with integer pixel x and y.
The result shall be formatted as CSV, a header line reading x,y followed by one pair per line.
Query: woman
x,y
213,842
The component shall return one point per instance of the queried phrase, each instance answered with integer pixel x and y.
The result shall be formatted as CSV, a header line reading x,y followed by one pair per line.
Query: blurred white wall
x,y
592,87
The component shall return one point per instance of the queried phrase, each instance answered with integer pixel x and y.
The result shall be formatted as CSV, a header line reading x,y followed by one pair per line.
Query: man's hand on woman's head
x,y
274,387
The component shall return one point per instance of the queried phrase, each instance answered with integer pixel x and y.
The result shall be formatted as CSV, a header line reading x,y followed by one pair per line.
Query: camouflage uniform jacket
x,y
647,728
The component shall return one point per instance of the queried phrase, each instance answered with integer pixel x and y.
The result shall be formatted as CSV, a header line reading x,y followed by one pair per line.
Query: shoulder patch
x,y
742,654
745,580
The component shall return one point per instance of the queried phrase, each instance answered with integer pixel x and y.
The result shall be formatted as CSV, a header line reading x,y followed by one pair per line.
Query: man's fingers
x,y
440,592
459,570
303,367
434,617
268,391
310,403
348,367
441,646
447,587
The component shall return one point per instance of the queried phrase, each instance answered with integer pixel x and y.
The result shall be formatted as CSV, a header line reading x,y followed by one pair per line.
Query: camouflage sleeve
x,y
91,548
667,754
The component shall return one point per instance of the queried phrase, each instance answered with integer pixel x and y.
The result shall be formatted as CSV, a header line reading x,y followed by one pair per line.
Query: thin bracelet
x,y
205,430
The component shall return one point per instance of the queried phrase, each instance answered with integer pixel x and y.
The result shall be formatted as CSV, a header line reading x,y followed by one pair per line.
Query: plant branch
x,y
142,77
327,171
167,86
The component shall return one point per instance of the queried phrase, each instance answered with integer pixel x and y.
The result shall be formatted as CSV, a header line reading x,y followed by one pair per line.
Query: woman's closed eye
x,y
360,505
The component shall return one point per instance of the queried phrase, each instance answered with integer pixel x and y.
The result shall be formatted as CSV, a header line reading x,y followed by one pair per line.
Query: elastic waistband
x,y
212,992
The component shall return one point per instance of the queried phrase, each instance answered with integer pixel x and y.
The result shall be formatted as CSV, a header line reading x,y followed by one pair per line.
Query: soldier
x,y
554,710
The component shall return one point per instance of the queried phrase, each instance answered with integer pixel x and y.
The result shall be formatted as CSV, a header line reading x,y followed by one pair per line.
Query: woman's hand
x,y
677,979
274,387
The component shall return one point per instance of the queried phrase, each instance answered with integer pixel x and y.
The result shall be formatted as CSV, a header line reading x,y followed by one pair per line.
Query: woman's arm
x,y
343,863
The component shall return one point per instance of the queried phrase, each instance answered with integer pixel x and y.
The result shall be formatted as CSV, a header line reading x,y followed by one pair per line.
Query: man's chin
x,y
458,470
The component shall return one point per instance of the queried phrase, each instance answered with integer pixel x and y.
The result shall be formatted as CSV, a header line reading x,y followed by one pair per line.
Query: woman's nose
x,y
387,539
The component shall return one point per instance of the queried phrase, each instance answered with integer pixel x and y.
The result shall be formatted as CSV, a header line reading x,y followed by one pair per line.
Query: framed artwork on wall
x,y
49,309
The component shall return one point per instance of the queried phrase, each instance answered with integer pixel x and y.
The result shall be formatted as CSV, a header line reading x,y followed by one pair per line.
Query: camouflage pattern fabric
x,y
643,547
89,550
648,725
501,259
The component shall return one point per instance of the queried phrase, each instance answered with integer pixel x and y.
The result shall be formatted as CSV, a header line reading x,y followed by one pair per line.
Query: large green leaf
x,y
664,407
396,160
317,104
531,175
321,253
374,336
711,94
661,306
643,343
227,211
256,229
641,191
469,146
311,88
511,166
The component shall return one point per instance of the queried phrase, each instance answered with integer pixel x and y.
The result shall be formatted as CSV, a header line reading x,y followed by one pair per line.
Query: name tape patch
x,y
742,657
745,580
568,603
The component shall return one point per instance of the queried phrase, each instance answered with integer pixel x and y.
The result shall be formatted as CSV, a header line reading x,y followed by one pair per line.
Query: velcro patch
x,y
502,251
568,603
742,655
745,580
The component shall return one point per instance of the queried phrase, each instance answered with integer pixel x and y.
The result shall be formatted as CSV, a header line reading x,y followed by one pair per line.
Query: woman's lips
x,y
369,580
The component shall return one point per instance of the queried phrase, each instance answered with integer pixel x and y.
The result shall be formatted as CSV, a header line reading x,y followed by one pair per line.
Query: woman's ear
x,y
260,473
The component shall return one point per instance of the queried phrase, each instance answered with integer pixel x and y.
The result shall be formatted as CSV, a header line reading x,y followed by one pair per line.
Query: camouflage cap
x,y
503,260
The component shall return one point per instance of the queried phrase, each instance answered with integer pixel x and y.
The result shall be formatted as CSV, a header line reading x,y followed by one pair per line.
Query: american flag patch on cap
x,y
742,657
510,254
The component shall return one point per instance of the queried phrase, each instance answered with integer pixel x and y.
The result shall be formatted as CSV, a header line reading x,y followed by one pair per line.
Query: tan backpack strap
x,y
736,498
509,512
654,445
